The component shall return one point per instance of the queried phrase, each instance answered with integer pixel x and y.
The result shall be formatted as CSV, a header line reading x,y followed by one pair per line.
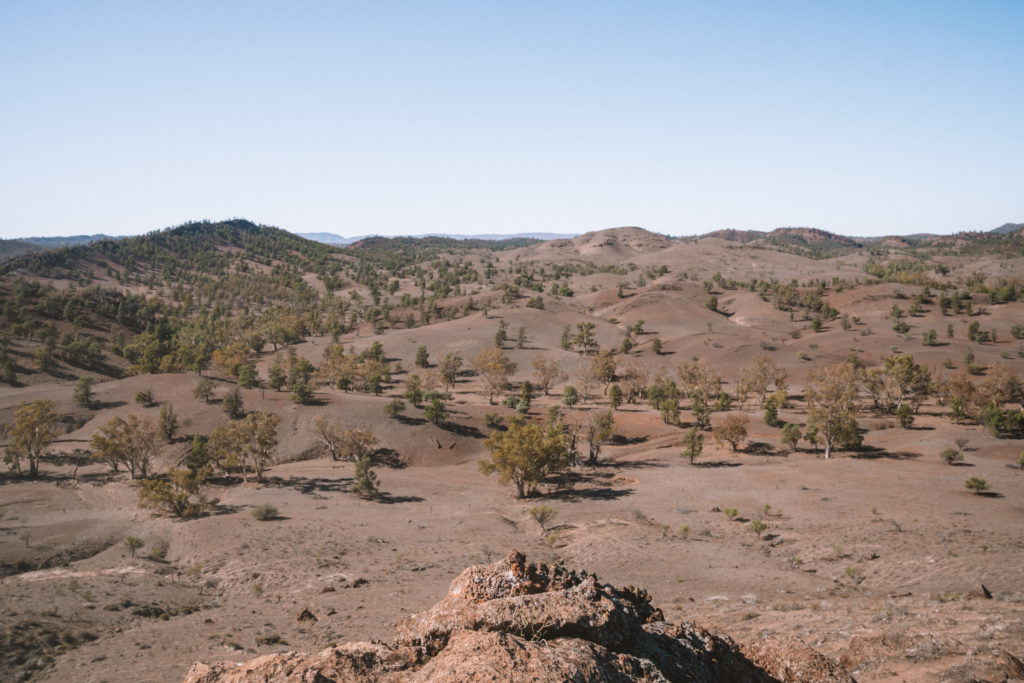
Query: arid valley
x,y
282,445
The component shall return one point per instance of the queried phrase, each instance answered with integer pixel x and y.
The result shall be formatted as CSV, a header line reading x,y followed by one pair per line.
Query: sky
x,y
396,118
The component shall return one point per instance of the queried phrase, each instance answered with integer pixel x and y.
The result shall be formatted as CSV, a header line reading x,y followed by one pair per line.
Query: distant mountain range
x,y
331,238
810,240
24,245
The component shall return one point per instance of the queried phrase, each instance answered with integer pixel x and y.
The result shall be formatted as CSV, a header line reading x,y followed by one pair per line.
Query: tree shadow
x,y
105,405
876,453
388,457
630,464
462,430
565,488
962,464
388,499
310,485
711,464
576,495
620,440
219,510
762,448
412,421
990,494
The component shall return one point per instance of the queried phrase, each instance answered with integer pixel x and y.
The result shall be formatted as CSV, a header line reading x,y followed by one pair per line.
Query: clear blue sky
x,y
863,118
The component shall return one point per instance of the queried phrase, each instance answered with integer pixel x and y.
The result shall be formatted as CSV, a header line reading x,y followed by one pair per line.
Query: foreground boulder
x,y
510,621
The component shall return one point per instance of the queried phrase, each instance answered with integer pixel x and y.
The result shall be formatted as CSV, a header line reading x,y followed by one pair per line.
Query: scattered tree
x,y
598,430
435,410
232,404
128,441
546,373
496,368
615,396
83,392
366,485
33,430
133,543
168,422
761,374
394,408
694,443
178,494
246,445
791,435
422,357
526,454
732,430
203,389
449,369
831,396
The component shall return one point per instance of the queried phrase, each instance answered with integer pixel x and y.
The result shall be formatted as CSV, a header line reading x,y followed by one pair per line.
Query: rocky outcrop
x,y
510,621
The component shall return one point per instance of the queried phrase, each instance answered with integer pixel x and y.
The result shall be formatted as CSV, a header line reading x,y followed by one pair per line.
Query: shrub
x,y
542,514
494,421
758,527
145,398
394,408
83,392
905,414
203,389
791,435
133,543
168,423
731,513
951,455
366,485
233,405
265,512
977,484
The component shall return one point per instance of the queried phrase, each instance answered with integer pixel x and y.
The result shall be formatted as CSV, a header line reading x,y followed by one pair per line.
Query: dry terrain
x,y
879,557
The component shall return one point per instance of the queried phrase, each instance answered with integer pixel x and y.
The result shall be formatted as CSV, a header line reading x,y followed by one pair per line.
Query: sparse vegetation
x,y
264,512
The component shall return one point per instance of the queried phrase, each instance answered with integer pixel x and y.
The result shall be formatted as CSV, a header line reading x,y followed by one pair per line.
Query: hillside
x,y
304,426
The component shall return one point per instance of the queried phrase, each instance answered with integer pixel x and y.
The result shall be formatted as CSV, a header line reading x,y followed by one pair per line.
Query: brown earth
x,y
875,558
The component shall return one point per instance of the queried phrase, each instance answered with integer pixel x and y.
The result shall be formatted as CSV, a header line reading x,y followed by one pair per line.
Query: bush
x,y
905,414
791,435
731,513
133,543
233,405
366,485
977,484
83,392
394,408
542,514
758,527
494,421
265,512
951,455
145,398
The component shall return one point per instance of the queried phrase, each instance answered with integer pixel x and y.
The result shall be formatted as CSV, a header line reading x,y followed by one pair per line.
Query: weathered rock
x,y
510,621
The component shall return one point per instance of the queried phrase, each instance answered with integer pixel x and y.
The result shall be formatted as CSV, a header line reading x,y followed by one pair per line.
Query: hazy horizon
x,y
466,118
